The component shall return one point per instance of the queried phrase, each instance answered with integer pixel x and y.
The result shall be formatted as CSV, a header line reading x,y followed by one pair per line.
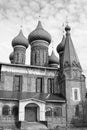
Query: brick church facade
x,y
50,93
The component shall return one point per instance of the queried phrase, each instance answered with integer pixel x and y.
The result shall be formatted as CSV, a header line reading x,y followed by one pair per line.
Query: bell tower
x,y
73,82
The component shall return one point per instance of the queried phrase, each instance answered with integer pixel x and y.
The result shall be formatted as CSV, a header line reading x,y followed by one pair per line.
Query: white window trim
x,y
78,94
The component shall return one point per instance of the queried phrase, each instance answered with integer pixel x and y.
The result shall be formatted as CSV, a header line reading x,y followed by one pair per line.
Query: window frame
x,y
19,87
49,109
77,111
50,85
15,111
5,110
74,96
59,114
41,89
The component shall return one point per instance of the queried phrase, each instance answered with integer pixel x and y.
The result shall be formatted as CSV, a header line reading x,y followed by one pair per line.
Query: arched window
x,y
76,94
48,112
77,110
15,110
57,111
5,110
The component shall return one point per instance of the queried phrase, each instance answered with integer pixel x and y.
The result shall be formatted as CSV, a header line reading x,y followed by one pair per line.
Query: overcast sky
x,y
14,13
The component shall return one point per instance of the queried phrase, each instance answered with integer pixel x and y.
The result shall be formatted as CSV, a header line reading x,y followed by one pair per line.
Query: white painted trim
x,y
32,99
78,94
25,70
22,105
55,100
20,46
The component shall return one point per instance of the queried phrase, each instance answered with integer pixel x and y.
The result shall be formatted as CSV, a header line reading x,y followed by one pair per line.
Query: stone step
x,y
33,126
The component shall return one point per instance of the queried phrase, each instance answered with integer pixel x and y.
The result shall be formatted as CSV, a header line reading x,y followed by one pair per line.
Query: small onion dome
x,y
11,57
67,28
60,47
53,59
20,39
39,34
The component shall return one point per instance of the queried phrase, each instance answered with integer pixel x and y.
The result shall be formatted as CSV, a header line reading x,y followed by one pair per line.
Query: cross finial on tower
x,y
67,20
52,46
40,8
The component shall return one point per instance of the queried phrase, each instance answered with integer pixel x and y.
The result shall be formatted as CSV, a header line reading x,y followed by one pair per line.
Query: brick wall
x,y
39,56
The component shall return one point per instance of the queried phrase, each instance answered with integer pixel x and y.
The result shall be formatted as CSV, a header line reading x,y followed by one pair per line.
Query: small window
x,y
17,83
5,110
39,85
77,110
50,85
57,111
48,112
15,111
76,94
22,58
35,58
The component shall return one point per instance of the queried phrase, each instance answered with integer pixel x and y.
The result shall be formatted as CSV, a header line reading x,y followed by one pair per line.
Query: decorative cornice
x,y
73,64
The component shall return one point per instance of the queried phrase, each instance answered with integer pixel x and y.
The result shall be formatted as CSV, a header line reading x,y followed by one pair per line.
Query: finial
x,y
39,17
67,20
21,22
21,27
67,28
52,46
39,12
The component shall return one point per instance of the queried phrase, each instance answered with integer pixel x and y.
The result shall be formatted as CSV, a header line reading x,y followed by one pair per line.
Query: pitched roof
x,y
70,58
10,95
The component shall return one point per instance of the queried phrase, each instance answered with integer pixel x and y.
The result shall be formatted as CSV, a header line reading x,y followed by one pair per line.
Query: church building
x,y
48,94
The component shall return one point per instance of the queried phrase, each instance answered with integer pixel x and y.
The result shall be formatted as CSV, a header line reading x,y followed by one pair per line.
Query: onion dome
x,y
60,47
11,57
53,59
67,28
20,39
39,34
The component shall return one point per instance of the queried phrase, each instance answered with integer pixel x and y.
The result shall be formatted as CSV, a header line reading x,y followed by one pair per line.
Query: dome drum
x,y
40,43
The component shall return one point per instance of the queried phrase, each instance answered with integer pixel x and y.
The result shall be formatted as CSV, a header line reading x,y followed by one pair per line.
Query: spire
x,y
39,25
70,58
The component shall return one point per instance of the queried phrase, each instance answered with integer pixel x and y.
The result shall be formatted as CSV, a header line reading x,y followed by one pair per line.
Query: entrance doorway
x,y
31,112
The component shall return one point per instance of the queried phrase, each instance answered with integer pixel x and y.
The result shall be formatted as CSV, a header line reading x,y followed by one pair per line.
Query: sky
x,y
53,15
